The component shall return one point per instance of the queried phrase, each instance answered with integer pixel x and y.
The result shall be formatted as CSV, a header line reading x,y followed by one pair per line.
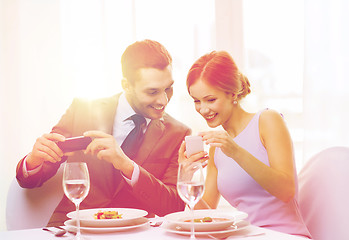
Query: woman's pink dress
x,y
245,194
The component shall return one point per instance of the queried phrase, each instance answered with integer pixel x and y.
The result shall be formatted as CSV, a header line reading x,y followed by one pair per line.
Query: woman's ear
x,y
234,98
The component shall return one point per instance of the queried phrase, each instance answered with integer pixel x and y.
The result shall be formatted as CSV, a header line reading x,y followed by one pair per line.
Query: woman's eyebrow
x,y
208,96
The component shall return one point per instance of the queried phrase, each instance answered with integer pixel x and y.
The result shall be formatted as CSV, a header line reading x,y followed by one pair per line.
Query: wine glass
x,y
190,186
76,185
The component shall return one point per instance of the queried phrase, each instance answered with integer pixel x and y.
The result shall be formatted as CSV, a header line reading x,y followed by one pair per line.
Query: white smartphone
x,y
193,144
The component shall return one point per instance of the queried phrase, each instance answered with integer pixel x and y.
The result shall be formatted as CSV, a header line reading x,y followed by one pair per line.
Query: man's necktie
x,y
134,139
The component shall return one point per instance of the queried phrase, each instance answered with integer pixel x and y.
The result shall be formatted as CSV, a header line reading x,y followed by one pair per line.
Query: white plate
x,y
71,224
128,216
173,228
179,219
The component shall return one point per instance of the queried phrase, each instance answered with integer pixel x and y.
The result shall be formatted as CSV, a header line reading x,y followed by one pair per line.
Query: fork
x,y
68,230
155,222
59,233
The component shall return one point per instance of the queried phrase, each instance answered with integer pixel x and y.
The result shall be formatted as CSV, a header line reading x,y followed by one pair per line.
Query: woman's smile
x,y
210,117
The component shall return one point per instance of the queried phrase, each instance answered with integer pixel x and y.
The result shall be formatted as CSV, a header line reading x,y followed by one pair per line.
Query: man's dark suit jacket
x,y
155,190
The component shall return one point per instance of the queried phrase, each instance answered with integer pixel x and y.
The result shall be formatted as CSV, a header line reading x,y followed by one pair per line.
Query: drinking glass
x,y
76,185
190,186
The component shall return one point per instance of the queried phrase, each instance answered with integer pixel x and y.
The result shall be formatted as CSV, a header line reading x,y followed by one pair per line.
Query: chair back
x,y
324,194
32,208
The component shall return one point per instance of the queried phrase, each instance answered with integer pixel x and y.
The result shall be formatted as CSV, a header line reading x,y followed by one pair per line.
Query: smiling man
x,y
142,177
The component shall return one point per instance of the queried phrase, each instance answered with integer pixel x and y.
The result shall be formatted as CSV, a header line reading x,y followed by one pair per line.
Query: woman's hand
x,y
197,157
222,140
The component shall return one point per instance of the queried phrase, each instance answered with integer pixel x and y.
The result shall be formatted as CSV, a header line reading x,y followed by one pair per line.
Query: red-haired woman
x,y
251,162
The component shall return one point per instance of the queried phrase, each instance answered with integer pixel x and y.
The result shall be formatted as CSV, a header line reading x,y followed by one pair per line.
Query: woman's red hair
x,y
219,70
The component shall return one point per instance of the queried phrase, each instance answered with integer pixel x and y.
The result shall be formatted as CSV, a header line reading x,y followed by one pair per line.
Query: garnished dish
x,y
207,220
107,215
220,233
135,223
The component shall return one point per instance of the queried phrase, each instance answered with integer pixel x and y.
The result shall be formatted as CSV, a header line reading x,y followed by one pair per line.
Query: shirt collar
x,y
124,109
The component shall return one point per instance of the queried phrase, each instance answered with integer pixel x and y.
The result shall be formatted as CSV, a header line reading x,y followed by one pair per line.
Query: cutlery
x,y
68,230
59,233
155,222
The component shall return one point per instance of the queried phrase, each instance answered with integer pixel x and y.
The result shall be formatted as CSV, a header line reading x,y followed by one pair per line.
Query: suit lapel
x,y
153,134
104,114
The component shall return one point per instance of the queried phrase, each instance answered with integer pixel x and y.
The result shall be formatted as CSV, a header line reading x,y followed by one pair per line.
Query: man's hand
x,y
45,149
105,147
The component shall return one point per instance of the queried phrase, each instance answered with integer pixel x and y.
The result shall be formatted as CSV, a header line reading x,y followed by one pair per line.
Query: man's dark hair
x,y
144,54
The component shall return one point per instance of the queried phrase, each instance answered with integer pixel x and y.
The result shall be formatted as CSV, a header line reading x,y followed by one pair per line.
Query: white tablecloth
x,y
145,233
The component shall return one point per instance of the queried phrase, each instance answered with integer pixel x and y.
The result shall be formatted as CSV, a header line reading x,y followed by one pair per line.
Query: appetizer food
x,y
207,220
107,215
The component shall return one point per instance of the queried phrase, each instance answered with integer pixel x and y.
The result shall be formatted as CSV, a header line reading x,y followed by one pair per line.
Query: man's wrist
x,y
29,172
127,168
31,164
135,175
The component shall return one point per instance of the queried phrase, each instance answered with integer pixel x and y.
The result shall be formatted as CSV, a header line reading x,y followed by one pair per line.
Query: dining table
x,y
148,232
